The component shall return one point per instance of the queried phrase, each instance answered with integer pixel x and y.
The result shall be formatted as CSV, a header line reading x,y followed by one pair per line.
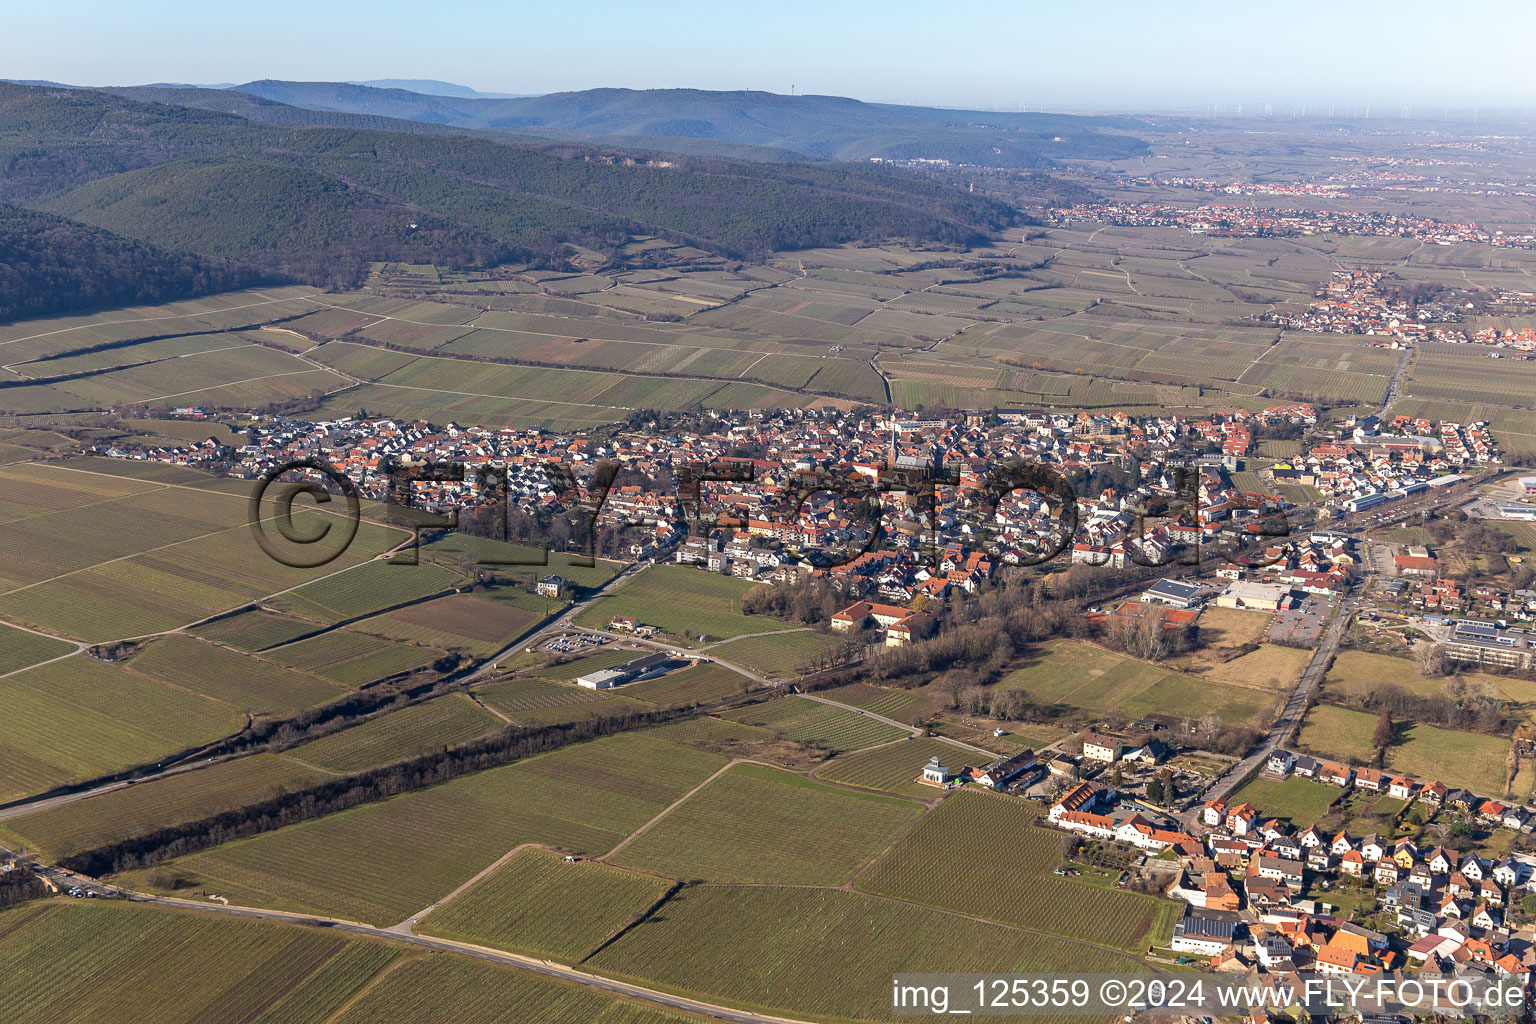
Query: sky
x,y
1058,56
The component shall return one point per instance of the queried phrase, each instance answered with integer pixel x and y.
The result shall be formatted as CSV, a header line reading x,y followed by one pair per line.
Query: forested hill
x,y
823,126
309,199
51,265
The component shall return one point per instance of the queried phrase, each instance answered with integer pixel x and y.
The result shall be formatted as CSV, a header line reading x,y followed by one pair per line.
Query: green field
x,y
1080,675
770,947
444,989
1466,759
701,684
1358,672
1297,800
532,701
468,622
367,588
756,824
895,767
1338,733
779,655
540,905
349,658
131,963
241,680
678,597
399,735
78,718
816,724
384,861
19,649
92,551
146,806
981,854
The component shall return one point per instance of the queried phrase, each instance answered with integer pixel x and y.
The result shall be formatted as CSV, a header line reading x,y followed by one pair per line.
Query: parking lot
x,y
575,643
1303,625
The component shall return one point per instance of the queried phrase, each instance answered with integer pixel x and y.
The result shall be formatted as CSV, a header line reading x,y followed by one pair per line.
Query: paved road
x,y
991,754
1295,705
533,965
1395,385
29,806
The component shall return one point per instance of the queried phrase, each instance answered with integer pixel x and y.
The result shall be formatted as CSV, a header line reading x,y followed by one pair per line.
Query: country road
x,y
533,965
1295,706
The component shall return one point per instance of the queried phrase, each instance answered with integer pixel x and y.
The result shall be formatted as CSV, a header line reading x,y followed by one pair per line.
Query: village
x,y
1265,894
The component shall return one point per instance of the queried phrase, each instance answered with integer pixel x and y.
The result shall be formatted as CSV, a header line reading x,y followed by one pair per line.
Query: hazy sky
x,y
988,54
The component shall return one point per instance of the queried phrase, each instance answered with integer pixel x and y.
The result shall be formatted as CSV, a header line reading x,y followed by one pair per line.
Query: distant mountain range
x,y
742,125
246,181
819,126
431,87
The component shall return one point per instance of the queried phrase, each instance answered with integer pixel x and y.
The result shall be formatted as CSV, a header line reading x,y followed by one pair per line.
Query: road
x,y
1395,385
1295,706
25,806
533,965
992,755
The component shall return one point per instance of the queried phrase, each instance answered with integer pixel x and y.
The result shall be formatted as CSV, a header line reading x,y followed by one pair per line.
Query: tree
x,y
1155,792
1385,732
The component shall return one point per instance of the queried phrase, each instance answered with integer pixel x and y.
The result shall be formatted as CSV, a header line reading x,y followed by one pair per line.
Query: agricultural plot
x,y
769,947
27,339
816,724
700,684
704,729
538,904
146,806
133,963
351,659
254,630
1067,672
240,680
782,654
535,700
902,705
894,768
75,719
19,649
468,621
757,824
933,865
432,990
384,861
244,377
399,735
86,570
367,589
675,598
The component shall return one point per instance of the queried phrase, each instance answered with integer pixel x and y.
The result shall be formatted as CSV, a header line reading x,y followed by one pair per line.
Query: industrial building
x,y
630,671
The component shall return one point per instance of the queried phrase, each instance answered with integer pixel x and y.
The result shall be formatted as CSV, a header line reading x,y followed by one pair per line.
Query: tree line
x,y
504,747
